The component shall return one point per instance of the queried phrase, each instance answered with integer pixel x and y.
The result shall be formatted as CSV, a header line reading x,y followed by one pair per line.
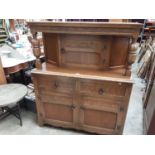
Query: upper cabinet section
x,y
98,46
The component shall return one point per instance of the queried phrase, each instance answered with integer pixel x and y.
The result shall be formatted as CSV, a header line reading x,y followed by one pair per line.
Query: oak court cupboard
x,y
86,81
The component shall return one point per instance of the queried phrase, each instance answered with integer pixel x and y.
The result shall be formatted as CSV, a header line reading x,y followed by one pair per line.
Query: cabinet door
x,y
57,109
101,116
85,51
55,102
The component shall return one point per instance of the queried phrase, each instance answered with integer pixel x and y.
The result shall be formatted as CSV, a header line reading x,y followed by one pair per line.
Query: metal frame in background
x,y
15,110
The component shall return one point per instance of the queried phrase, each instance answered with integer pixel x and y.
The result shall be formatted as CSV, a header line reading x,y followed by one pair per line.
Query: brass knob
x,y
101,91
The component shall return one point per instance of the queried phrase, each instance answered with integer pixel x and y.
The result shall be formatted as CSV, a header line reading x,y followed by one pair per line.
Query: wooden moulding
x,y
104,28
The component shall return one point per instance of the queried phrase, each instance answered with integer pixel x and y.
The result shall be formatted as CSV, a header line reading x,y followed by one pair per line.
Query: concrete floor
x,y
133,124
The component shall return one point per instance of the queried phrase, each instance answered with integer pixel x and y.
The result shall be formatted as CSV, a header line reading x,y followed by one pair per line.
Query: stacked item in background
x,y
30,94
145,68
29,100
145,58
3,35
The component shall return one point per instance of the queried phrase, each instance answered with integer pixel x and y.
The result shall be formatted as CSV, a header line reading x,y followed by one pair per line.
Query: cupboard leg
x,y
40,121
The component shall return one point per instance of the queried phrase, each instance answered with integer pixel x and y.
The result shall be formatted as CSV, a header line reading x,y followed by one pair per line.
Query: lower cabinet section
x,y
101,113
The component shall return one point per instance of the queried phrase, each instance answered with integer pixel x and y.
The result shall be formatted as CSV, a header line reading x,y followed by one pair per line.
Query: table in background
x,y
10,96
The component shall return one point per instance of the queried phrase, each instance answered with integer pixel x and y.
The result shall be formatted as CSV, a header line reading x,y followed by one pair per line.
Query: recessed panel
x,y
119,51
82,51
98,118
58,112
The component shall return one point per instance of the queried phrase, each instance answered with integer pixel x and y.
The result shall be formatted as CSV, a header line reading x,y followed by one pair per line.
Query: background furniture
x,y
2,75
11,94
3,32
85,83
149,112
3,35
148,97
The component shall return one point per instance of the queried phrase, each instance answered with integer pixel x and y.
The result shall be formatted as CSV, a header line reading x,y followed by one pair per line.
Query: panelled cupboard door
x,y
85,52
56,100
101,116
58,109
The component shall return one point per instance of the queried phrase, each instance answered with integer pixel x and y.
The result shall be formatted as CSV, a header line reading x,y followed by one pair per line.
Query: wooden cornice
x,y
100,28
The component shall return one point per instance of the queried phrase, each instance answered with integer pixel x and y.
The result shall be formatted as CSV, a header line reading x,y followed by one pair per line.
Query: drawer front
x,y
57,84
102,88
56,98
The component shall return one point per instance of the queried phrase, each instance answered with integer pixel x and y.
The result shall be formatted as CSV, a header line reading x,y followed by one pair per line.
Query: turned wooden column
x,y
133,46
36,52
36,48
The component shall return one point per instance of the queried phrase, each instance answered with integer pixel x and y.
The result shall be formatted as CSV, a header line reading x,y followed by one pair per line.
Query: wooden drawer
x,y
56,98
102,88
57,84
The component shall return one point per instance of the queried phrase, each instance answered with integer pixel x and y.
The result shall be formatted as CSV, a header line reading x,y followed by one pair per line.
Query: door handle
x,y
63,50
56,84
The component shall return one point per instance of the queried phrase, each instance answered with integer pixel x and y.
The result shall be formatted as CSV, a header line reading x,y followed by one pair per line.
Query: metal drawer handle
x,y
56,84
101,91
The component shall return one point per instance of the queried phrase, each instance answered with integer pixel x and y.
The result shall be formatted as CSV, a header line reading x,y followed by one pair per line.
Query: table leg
x,y
16,111
19,113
